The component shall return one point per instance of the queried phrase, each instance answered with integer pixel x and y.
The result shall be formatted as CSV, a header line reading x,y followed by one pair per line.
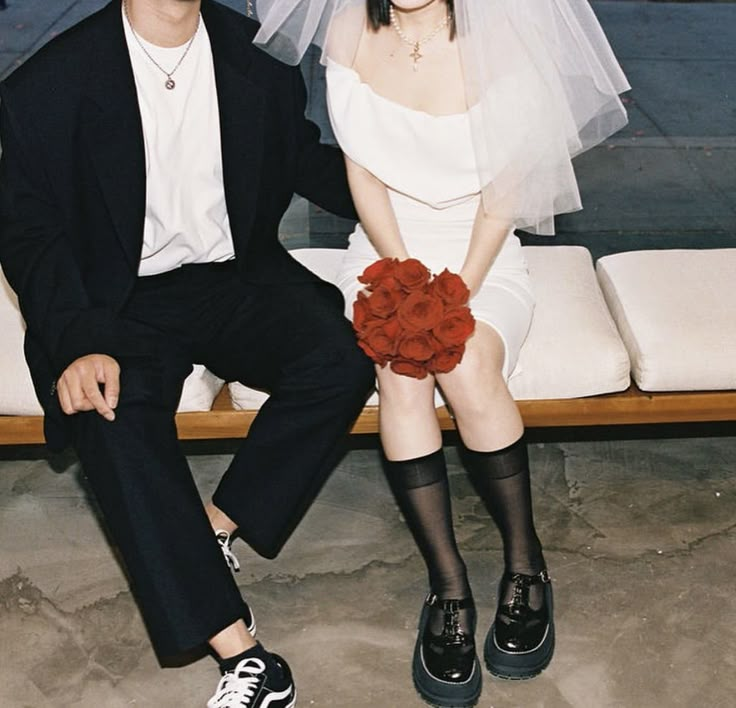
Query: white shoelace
x,y
223,538
237,688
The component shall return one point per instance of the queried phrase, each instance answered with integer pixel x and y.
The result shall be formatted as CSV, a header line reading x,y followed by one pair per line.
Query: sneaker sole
x,y
252,627
293,701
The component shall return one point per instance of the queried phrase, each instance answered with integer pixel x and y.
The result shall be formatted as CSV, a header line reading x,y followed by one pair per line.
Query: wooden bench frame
x,y
630,407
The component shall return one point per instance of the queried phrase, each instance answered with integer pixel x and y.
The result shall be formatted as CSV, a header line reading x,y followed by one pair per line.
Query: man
x,y
149,154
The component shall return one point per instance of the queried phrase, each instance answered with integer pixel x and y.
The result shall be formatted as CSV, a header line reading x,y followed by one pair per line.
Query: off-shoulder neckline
x,y
394,104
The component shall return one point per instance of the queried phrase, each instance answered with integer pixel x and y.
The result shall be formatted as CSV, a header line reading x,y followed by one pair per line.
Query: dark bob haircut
x,y
378,14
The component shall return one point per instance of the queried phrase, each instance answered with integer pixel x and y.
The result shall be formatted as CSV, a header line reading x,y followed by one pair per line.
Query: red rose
x,y
373,355
377,271
416,346
383,302
409,368
450,288
420,311
391,283
380,336
455,328
361,312
412,274
446,360
415,324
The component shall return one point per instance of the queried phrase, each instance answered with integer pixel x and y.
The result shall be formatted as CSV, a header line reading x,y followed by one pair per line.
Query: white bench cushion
x,y
573,348
17,396
676,312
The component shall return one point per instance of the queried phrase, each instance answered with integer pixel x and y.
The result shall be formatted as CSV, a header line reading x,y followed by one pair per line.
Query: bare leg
x,y
418,476
487,416
407,420
491,428
520,641
417,473
219,519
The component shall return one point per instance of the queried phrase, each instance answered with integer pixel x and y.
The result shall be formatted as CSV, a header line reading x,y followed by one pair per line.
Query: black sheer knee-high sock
x,y
502,480
422,491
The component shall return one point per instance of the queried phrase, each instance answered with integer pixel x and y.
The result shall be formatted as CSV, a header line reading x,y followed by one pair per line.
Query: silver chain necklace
x,y
416,44
169,83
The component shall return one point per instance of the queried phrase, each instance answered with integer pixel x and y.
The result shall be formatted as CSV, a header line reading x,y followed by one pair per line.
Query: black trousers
x,y
291,340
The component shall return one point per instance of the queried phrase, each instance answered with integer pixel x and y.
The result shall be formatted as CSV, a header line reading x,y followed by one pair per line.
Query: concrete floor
x,y
640,538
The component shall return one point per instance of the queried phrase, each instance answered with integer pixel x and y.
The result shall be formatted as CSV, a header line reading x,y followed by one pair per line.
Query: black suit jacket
x,y
72,181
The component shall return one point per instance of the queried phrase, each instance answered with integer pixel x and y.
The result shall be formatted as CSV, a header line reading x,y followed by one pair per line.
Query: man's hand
x,y
79,387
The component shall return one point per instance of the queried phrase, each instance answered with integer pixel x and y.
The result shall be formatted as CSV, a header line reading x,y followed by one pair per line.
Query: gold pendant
x,y
416,55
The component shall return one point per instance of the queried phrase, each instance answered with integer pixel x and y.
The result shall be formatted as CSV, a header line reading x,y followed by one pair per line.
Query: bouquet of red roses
x,y
416,323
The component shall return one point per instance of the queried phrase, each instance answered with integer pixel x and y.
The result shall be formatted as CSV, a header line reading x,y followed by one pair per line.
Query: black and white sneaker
x,y
253,685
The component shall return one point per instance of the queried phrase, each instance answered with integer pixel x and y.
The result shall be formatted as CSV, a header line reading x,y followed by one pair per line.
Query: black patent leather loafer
x,y
521,640
445,668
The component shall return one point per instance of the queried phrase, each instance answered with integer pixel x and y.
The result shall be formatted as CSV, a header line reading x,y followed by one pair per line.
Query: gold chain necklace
x,y
169,83
416,44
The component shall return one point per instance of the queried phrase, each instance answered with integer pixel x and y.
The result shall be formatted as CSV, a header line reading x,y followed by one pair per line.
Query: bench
x,y
645,337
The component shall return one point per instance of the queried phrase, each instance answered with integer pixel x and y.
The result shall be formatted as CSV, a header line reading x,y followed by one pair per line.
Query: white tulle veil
x,y
541,82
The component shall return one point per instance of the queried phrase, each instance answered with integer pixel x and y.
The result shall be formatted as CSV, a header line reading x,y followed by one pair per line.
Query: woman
x,y
458,121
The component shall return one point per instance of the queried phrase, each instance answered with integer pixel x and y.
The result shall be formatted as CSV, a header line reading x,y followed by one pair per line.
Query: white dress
x,y
427,163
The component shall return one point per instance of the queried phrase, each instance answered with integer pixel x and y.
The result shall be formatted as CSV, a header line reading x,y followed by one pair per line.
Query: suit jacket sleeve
x,y
37,256
321,175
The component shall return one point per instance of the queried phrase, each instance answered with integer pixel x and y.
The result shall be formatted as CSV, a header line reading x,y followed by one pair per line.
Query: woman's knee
x,y
476,384
403,392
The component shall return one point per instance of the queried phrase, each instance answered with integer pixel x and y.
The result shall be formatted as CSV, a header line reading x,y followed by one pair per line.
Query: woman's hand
x,y
489,234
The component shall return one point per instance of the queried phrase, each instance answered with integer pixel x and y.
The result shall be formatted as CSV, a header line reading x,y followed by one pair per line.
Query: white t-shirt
x,y
186,218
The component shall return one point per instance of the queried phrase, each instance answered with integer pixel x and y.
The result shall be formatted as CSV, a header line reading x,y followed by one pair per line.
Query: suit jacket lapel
x,y
111,127
242,106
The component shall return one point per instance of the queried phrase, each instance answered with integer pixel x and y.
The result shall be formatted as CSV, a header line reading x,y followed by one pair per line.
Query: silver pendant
x,y
170,83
